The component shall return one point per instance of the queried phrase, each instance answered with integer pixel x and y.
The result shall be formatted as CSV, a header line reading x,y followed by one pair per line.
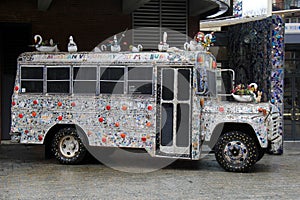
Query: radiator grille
x,y
274,124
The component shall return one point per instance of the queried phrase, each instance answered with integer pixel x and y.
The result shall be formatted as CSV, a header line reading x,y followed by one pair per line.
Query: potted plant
x,y
244,93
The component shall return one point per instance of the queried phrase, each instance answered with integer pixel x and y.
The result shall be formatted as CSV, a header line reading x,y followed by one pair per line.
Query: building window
x,y
294,4
157,16
287,20
292,61
293,20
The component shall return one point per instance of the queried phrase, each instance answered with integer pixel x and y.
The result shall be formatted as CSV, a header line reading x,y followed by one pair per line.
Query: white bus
x,y
168,103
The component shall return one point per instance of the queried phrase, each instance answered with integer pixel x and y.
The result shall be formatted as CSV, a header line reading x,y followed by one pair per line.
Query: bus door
x,y
174,110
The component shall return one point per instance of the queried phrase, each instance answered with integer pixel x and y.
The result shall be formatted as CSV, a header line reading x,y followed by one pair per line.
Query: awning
x,y
223,8
215,25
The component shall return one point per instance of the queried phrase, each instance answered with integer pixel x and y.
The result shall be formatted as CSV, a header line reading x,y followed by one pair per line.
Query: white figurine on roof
x,y
44,46
136,49
115,47
72,47
195,44
164,46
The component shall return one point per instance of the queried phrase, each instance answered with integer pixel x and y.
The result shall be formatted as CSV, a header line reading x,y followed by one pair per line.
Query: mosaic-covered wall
x,y
256,53
277,76
237,8
249,53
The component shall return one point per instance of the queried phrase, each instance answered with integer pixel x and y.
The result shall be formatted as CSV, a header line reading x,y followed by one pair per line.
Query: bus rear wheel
x,y
236,152
68,147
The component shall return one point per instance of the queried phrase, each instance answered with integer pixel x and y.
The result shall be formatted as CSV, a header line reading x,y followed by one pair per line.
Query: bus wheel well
x,y
223,128
49,137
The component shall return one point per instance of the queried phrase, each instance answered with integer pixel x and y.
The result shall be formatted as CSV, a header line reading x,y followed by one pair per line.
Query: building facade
x,y
290,10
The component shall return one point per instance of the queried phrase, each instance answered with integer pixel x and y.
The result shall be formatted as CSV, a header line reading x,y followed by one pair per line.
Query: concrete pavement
x,y
25,174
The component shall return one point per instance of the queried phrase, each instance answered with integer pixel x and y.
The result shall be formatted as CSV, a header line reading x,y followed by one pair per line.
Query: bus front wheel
x,y
68,147
236,151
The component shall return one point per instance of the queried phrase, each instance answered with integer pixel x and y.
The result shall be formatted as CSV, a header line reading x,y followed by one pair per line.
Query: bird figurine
x,y
136,49
253,87
163,45
115,47
96,49
44,46
38,41
72,47
51,42
103,47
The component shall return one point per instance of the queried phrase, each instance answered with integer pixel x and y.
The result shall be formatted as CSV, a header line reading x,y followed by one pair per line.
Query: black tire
x,y
261,153
68,147
236,152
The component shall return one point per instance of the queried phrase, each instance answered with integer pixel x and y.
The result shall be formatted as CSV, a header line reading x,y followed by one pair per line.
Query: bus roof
x,y
108,58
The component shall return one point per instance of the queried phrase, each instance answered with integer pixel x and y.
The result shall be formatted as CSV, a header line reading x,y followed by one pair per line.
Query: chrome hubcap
x,y
235,152
68,146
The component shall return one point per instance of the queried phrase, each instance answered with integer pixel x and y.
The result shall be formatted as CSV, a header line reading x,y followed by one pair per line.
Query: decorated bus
x,y
170,104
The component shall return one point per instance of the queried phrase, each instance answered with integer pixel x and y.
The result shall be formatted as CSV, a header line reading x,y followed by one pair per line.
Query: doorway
x,y
14,39
292,106
174,113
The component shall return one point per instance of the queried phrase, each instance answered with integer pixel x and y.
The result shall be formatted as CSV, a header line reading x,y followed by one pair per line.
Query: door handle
x,y
295,114
287,114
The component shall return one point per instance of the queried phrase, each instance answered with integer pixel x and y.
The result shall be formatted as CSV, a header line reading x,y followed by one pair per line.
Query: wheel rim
x,y
235,152
68,146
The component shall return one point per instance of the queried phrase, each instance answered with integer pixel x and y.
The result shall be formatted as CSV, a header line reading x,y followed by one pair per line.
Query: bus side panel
x,y
122,121
113,121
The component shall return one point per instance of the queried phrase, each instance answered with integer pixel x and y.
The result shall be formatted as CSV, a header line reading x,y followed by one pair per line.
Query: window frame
x,y
71,80
125,74
151,80
27,80
64,80
97,80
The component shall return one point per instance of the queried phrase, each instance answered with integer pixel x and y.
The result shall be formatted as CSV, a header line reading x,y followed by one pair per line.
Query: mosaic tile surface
x,y
126,120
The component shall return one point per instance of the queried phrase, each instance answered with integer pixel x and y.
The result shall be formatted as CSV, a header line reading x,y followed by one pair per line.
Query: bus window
x,y
140,80
112,80
58,79
184,84
212,79
31,79
84,79
202,87
168,84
